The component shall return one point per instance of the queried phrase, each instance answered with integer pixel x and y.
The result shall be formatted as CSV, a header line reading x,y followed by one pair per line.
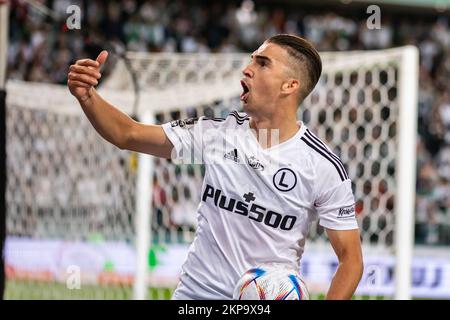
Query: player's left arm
x,y
347,246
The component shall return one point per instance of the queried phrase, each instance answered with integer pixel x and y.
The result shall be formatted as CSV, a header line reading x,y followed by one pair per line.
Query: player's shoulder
x,y
233,119
196,121
327,165
237,118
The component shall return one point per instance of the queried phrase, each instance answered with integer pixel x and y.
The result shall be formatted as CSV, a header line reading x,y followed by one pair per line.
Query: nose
x,y
247,71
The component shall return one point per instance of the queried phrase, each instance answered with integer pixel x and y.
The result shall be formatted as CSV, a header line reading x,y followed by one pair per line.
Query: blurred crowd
x,y
42,48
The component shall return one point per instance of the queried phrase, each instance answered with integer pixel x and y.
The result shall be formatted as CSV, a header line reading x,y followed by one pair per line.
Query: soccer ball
x,y
271,282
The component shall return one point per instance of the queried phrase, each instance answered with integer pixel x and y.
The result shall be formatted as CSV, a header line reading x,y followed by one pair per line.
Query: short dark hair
x,y
303,52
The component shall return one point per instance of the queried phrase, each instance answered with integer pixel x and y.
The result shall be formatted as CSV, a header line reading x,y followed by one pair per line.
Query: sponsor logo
x,y
246,206
184,123
232,155
285,179
347,212
255,164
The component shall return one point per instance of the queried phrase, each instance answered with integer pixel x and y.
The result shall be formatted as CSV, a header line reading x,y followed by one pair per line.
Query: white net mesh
x,y
66,183
355,109
57,190
58,187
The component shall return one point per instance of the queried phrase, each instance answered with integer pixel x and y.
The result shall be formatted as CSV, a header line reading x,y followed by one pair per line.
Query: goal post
x,y
4,30
144,189
68,185
406,174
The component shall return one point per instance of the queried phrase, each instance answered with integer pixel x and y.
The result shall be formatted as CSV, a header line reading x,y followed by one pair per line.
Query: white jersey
x,y
257,204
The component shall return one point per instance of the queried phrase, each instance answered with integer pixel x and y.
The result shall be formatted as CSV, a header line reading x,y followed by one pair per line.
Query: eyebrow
x,y
260,57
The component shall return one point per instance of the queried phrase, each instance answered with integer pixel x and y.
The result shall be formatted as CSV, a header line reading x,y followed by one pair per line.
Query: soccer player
x,y
261,191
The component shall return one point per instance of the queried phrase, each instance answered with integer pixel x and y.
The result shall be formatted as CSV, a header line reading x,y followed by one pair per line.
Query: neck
x,y
274,129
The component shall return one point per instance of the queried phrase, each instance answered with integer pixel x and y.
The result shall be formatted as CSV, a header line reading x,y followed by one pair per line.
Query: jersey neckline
x,y
300,132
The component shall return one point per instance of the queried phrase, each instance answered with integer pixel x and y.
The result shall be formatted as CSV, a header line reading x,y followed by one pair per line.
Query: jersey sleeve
x,y
188,138
335,203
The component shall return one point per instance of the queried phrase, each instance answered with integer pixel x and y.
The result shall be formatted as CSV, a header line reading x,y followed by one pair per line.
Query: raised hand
x,y
84,75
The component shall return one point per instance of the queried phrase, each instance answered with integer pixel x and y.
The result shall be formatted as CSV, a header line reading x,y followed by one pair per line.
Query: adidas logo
x,y
232,155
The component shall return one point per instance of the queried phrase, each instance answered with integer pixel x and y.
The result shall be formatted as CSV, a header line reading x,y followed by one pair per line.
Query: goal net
x,y
88,220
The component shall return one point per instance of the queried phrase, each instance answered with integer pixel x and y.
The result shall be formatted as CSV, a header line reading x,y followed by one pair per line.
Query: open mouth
x,y
245,91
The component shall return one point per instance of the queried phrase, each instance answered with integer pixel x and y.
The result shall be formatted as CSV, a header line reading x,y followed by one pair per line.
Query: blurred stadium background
x,y
84,219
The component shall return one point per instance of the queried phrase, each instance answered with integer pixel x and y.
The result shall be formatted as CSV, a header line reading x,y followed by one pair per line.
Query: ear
x,y
290,85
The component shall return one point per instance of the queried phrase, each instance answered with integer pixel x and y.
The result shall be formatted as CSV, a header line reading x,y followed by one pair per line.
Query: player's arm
x,y
347,246
112,124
